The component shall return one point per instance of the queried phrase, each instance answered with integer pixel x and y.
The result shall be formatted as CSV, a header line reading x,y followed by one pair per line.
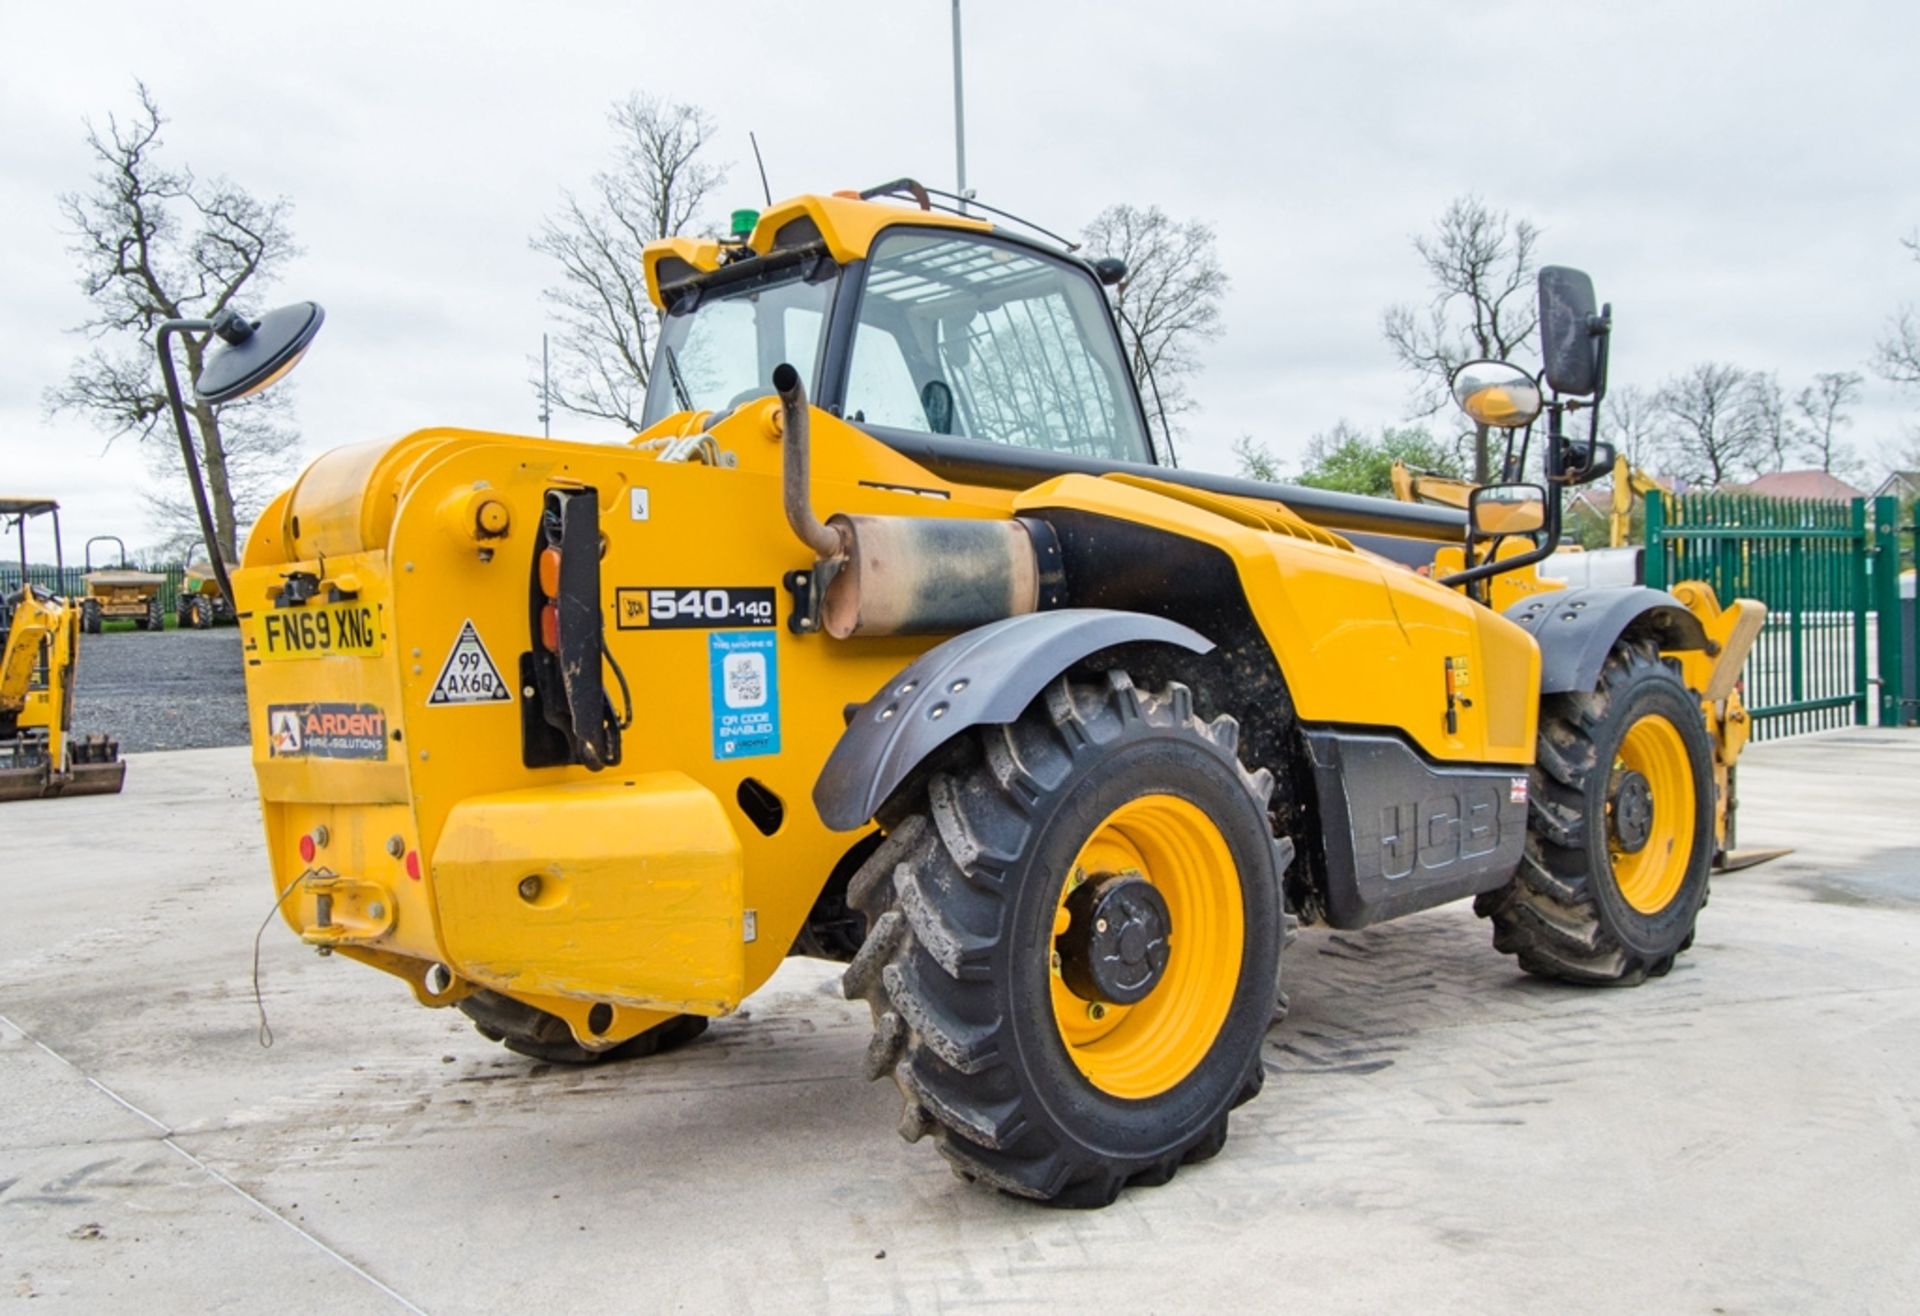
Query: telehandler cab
x,y
39,651
1048,740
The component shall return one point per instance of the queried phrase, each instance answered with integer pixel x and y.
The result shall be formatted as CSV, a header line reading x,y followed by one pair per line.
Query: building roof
x,y
1819,486
1909,481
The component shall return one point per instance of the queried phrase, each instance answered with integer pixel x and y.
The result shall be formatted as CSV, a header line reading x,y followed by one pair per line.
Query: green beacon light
x,y
743,222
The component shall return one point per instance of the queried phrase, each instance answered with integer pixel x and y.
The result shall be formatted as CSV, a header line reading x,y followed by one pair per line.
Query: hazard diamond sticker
x,y
469,676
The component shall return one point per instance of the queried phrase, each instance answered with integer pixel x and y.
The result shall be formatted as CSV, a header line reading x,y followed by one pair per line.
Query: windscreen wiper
x,y
675,378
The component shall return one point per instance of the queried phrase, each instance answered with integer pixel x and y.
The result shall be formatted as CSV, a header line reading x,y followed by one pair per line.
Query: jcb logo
x,y
1432,835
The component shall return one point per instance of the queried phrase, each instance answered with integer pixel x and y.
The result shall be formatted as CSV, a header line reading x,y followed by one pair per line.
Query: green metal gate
x,y
1829,655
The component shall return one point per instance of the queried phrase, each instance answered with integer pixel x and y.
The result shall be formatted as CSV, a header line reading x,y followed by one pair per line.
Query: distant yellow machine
x,y
896,639
200,604
1629,482
120,592
39,647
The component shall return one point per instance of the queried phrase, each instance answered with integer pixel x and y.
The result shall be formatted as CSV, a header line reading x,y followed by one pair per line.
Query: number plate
x,y
330,630
683,607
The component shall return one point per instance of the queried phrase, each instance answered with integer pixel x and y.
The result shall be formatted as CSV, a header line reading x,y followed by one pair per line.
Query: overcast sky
x,y
1736,177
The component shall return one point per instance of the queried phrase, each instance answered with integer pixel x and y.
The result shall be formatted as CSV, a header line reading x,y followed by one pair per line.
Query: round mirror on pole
x,y
249,355
1497,395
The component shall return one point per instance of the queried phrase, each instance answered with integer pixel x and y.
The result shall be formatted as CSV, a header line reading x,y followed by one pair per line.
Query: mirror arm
x,y
1550,539
1600,327
164,346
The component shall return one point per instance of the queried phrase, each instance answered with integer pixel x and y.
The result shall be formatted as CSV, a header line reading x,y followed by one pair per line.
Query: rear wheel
x,y
1074,936
156,619
528,1031
90,616
1620,830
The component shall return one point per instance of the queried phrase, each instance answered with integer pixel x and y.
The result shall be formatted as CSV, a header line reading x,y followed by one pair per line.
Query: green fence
x,y
1829,575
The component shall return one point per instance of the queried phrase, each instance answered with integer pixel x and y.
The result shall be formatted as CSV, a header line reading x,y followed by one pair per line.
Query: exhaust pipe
x,y
796,466
908,575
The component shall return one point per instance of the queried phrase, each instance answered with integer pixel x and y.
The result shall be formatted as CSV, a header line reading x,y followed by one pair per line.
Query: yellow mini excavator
x,y
39,648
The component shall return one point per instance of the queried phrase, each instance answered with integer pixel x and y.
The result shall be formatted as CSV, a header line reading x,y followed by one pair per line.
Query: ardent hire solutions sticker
x,y
469,676
326,731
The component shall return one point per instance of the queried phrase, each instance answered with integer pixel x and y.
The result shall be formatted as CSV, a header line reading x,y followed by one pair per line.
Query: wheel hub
x,y
1632,800
1115,946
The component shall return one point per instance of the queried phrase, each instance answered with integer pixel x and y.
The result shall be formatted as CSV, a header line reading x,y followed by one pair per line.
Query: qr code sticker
x,y
746,680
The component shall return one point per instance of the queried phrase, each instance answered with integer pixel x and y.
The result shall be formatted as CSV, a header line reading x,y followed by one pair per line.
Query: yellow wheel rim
x,y
1650,877
1141,1050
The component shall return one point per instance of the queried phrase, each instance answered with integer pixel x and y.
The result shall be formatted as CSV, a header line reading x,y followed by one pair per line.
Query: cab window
x,y
965,336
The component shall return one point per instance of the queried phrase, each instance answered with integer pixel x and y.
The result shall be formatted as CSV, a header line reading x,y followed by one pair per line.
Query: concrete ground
x,y
1438,1133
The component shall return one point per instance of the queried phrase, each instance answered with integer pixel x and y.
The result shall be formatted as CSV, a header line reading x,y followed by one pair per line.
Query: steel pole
x,y
959,113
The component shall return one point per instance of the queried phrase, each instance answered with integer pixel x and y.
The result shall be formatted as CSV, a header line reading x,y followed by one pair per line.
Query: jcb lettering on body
x,y
1434,834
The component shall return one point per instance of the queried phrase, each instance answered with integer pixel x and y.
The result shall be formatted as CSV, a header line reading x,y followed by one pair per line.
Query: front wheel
x,y
90,616
1620,829
1073,942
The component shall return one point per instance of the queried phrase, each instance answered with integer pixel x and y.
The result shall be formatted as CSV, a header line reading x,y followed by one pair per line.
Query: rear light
x,y
550,628
413,864
307,849
550,572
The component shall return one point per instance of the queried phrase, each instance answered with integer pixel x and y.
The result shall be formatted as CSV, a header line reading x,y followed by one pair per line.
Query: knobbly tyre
x,y
1047,740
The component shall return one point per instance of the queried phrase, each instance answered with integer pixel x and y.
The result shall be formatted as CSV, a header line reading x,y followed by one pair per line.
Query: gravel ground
x,y
171,690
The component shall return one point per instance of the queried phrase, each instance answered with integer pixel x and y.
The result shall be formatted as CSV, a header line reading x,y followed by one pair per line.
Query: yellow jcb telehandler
x,y
39,650
895,638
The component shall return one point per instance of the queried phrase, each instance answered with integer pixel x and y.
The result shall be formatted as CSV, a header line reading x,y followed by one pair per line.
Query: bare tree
x,y
1763,412
1631,420
657,187
1481,266
1169,301
1255,460
1712,441
1897,355
156,243
1822,409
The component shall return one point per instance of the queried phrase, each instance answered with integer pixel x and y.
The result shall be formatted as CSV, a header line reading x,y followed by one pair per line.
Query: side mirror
x,y
1572,332
1496,394
1600,459
1507,509
253,354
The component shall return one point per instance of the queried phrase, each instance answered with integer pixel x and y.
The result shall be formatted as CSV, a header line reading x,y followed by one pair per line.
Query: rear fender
x,y
984,677
1576,628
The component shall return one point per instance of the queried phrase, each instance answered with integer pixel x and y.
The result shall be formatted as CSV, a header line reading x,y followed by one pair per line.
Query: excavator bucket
x,y
94,768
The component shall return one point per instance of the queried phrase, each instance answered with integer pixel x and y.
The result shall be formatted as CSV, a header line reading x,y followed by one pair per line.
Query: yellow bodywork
x,y
617,898
1362,640
36,670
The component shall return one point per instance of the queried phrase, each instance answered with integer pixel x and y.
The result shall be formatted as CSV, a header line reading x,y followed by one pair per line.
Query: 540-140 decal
x,y
692,607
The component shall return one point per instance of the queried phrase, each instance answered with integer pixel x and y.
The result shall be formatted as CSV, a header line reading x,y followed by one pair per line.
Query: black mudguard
x,y
1576,627
981,678
1403,833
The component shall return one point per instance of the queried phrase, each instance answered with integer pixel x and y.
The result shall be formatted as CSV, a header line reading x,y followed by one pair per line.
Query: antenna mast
x,y
959,116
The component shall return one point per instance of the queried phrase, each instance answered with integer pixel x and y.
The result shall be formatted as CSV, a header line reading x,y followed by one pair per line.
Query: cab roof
x,y
27,506
845,223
